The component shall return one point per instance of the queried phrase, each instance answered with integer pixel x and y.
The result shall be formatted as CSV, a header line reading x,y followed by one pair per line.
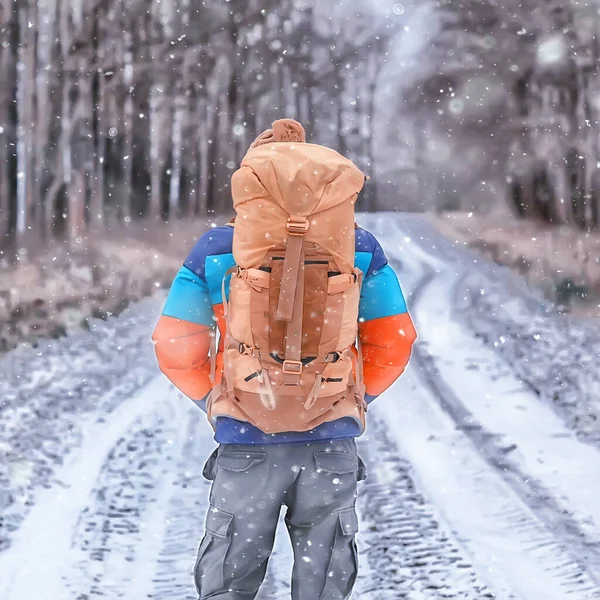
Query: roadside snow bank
x,y
562,261
57,290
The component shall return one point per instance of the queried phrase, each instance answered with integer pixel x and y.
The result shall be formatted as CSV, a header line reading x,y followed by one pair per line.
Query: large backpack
x,y
289,356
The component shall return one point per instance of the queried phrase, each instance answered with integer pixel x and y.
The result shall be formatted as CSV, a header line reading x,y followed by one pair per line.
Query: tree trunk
x,y
374,69
204,154
8,125
155,164
222,157
175,181
43,172
26,196
125,201
212,158
64,144
96,213
309,124
341,140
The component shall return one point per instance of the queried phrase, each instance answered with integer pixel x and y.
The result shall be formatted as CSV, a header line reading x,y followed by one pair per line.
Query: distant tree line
x,y
115,111
513,85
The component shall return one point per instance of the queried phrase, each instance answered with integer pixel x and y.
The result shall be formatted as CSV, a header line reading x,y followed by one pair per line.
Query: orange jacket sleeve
x,y
182,350
183,336
386,346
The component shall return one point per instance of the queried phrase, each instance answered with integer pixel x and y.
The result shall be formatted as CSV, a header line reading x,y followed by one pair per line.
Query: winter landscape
x,y
477,122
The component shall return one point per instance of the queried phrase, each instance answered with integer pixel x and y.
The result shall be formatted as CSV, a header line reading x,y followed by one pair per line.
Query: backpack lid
x,y
302,178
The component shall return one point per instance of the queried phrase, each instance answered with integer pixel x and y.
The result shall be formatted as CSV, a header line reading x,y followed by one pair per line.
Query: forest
x,y
117,111
121,111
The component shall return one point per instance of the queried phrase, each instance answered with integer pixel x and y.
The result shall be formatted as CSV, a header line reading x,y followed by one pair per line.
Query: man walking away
x,y
312,327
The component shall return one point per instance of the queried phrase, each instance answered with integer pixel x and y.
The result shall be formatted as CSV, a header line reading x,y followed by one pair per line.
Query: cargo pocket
x,y
212,554
239,461
336,462
343,564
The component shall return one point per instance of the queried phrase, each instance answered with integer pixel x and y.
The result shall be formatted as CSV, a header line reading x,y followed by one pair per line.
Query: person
x,y
312,326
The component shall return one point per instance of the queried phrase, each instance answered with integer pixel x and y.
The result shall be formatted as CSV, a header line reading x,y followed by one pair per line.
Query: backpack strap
x,y
361,361
297,227
291,298
231,271
292,365
356,382
213,357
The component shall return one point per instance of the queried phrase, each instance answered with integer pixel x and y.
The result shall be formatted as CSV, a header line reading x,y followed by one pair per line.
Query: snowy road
x,y
478,487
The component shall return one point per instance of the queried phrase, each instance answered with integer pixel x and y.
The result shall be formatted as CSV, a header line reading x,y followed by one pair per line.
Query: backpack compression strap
x,y
291,298
297,228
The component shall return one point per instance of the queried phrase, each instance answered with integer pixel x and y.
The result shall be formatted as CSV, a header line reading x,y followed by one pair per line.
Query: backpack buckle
x,y
332,357
292,367
248,350
297,227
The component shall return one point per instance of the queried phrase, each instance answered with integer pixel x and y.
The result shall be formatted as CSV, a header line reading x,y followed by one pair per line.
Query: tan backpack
x,y
289,361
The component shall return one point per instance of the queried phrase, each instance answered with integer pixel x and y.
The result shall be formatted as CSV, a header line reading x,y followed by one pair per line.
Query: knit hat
x,y
282,130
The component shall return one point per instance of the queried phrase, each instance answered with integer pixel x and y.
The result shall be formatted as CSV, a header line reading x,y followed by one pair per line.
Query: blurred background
x,y
121,123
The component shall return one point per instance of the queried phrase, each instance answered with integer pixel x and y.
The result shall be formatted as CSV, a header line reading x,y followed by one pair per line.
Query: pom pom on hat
x,y
282,130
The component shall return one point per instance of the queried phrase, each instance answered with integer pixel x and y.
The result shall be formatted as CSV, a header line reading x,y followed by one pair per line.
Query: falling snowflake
x,y
552,50
456,106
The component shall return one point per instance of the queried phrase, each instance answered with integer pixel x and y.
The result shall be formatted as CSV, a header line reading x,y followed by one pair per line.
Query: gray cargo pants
x,y
317,482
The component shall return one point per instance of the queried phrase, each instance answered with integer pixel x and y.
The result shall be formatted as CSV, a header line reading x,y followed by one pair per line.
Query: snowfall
x,y
483,459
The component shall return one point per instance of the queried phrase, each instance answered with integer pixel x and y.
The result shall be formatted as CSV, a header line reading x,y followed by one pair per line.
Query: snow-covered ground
x,y
484,465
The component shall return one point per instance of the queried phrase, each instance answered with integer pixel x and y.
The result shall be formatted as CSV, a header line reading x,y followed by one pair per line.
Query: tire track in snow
x,y
407,552
568,527
125,520
512,550
173,577
48,393
42,546
541,348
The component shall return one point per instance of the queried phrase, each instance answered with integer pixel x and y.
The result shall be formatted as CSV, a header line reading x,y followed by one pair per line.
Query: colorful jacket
x,y
194,306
